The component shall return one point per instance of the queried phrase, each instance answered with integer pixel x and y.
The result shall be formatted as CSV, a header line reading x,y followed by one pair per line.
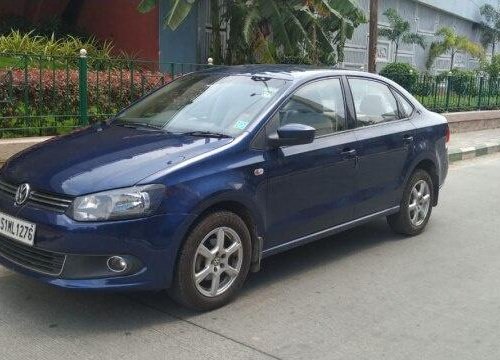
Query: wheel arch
x,y
429,165
243,208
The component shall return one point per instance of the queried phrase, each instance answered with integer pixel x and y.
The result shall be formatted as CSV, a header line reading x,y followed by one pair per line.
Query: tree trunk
x,y
315,58
493,49
452,63
372,45
216,38
396,53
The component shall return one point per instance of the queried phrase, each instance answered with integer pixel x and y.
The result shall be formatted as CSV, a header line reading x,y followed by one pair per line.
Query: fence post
x,y
26,79
11,86
481,83
496,91
83,110
448,91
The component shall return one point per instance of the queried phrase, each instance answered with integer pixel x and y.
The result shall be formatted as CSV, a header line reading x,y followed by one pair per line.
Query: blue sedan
x,y
190,187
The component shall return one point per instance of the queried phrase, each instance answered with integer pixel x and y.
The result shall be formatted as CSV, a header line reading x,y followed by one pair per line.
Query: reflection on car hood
x,y
96,159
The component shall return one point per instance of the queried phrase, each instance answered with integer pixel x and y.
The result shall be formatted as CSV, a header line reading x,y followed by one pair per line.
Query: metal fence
x,y
48,95
448,93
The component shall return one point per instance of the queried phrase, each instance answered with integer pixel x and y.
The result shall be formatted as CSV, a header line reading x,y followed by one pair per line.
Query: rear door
x,y
385,137
311,186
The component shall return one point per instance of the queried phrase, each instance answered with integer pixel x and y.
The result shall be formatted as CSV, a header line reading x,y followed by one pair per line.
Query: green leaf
x,y
179,10
250,20
146,6
413,38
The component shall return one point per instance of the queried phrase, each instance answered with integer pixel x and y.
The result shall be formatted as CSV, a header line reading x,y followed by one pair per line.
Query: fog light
x,y
117,264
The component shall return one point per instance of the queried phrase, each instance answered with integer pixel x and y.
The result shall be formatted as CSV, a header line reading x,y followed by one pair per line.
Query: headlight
x,y
123,203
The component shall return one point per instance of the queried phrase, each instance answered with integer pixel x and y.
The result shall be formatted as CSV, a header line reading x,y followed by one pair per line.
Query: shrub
x,y
53,25
492,68
17,42
424,85
402,73
462,82
56,92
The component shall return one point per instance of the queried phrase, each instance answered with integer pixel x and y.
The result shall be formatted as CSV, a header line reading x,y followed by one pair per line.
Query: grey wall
x,y
181,45
424,19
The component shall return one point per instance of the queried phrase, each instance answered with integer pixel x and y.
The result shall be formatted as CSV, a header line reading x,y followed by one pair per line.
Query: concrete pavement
x,y
363,294
472,144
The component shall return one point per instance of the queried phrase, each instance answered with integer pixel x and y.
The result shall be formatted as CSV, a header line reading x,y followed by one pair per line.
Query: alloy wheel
x,y
419,204
217,261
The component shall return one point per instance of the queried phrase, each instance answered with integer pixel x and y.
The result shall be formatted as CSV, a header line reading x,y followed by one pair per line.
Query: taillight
x,y
447,134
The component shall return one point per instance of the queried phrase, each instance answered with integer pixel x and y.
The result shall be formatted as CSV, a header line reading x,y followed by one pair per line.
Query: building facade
x,y
144,35
191,42
425,17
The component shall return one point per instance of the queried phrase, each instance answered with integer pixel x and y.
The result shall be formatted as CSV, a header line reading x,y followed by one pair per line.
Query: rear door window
x,y
373,101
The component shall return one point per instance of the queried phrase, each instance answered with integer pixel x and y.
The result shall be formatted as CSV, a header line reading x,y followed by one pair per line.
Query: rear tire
x,y
213,263
416,205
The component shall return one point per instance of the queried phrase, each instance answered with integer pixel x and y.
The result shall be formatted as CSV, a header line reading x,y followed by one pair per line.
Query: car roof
x,y
299,74
286,72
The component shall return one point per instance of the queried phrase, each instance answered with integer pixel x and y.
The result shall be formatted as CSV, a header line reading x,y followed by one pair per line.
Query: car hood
x,y
102,158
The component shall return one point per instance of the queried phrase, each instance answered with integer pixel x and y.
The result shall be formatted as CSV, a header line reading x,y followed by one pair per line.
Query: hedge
x,y
56,92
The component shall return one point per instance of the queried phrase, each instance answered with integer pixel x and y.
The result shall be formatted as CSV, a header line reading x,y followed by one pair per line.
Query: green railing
x,y
449,93
46,95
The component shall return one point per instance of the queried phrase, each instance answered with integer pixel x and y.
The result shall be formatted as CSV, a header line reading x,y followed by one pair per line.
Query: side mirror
x,y
292,134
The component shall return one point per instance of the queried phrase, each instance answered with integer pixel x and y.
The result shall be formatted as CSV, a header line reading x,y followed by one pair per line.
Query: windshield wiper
x,y
135,125
207,134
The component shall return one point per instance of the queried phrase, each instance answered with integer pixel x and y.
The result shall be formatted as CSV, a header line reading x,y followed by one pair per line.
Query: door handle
x,y
349,152
408,138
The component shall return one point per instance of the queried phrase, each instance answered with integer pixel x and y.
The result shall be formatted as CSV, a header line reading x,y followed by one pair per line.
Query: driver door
x,y
311,186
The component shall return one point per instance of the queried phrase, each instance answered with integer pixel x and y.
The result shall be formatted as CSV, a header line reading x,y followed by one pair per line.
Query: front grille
x,y
42,261
8,188
52,202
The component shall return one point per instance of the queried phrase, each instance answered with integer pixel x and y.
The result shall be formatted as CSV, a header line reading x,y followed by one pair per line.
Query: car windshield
x,y
210,104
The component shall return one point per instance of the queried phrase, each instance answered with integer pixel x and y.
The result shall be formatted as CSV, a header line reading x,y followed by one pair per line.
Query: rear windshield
x,y
224,104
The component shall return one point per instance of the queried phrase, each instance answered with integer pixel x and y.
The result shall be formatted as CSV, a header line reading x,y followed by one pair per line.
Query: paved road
x,y
364,294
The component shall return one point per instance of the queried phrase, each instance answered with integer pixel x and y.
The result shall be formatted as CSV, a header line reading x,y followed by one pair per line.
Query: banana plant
x,y
314,30
179,10
270,30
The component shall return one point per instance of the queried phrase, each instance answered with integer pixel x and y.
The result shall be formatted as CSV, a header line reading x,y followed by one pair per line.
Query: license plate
x,y
17,229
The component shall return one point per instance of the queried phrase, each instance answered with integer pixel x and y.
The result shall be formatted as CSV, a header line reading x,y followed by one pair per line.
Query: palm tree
x,y
490,27
399,31
452,43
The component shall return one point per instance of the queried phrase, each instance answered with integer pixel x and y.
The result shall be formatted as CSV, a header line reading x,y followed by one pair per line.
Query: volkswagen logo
x,y
22,194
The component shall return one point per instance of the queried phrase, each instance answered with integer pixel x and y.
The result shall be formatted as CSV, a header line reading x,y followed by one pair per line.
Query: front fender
x,y
239,198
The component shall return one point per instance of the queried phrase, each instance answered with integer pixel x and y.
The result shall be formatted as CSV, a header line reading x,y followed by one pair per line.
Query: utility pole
x,y
373,37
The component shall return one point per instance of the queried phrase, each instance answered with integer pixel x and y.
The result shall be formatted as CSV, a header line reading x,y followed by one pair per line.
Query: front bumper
x,y
151,245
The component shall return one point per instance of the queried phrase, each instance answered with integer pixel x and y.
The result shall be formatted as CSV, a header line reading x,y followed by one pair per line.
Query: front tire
x,y
213,263
416,205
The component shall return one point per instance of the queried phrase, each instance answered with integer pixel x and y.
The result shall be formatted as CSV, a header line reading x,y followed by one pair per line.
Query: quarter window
x,y
373,101
319,104
406,107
